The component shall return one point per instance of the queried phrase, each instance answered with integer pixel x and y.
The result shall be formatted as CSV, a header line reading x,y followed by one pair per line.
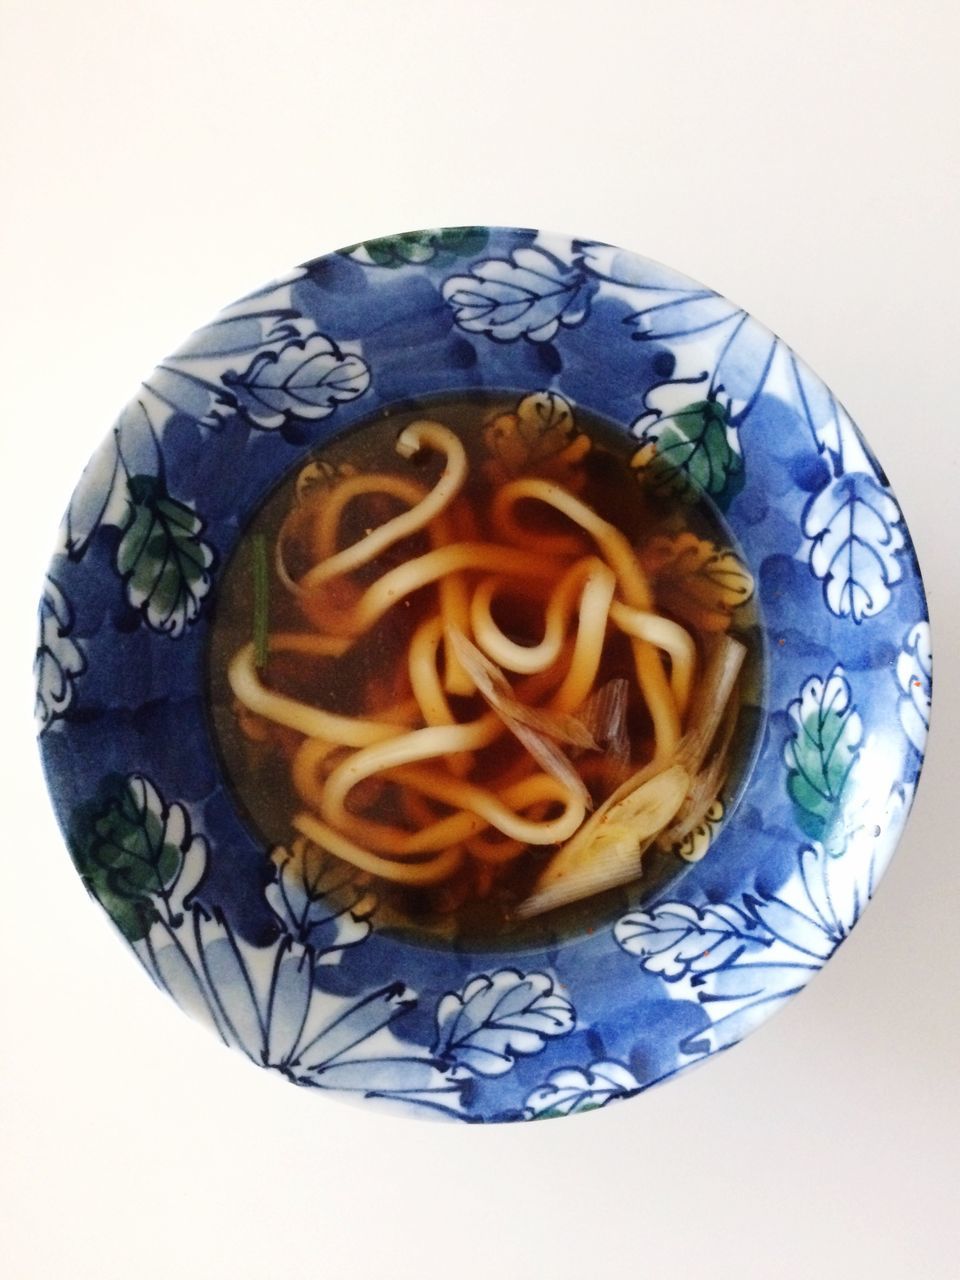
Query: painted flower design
x,y
303,378
261,359
531,295
497,1018
693,423
853,527
142,859
740,960
59,660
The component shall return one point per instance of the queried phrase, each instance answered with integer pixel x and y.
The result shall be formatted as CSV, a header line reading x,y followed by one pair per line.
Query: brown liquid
x,y
475,906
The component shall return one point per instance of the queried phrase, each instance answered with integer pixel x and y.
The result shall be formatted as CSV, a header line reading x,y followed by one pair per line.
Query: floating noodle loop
x,y
399,583
669,636
427,686
632,580
520,658
426,506
430,871
425,786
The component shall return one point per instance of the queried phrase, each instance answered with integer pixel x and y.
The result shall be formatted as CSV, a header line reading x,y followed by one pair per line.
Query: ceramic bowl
x,y
299,974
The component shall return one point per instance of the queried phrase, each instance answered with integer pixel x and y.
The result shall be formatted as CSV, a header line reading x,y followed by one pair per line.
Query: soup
x,y
470,653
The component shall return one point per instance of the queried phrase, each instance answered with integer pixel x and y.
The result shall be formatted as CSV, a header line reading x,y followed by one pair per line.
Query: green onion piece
x,y
261,600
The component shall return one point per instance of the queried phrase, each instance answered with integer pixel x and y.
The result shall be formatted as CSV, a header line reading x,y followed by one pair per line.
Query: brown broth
x,y
471,909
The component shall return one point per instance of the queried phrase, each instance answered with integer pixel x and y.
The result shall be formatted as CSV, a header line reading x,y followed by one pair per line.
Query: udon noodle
x,y
541,704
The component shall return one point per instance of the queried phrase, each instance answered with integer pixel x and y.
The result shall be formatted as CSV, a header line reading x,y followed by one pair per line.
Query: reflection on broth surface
x,y
470,652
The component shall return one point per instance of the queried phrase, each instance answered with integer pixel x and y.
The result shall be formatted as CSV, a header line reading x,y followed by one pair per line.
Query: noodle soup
x,y
481,653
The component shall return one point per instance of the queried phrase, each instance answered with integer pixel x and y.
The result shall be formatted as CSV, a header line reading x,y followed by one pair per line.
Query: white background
x,y
160,160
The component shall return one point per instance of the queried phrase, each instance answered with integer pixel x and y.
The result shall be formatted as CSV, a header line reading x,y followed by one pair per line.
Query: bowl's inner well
x,y
259,773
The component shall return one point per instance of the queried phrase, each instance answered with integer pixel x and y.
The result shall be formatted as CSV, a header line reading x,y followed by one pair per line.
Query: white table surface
x,y
162,158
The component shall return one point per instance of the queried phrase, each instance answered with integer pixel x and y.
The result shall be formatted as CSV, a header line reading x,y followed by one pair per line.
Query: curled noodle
x,y
411,777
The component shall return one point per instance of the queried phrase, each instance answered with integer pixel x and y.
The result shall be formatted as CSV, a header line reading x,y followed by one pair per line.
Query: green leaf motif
x,y
413,248
822,750
162,557
691,447
129,849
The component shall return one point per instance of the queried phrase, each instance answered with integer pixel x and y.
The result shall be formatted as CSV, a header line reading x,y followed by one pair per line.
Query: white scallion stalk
x,y
607,851
537,730
611,852
714,691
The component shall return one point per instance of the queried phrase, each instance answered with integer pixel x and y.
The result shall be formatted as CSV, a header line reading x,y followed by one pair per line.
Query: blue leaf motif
x,y
264,1001
834,887
677,941
739,963
827,420
499,1017
101,496
915,678
574,1089
822,750
332,1035
809,935
739,354
190,380
639,275
736,356
261,999
293,371
315,900
682,315
835,891
232,334
59,660
853,533
305,378
529,295
397,1078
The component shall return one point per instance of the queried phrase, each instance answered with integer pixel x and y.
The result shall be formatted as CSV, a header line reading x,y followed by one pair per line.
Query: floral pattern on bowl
x,y
269,950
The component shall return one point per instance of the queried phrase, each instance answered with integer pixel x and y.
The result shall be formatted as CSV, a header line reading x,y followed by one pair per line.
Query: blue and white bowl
x,y
301,979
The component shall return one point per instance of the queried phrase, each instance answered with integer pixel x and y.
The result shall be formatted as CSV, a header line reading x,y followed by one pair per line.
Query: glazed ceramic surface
x,y
291,969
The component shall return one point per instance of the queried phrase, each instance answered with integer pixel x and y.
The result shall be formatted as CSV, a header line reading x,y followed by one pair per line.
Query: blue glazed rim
x,y
297,977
